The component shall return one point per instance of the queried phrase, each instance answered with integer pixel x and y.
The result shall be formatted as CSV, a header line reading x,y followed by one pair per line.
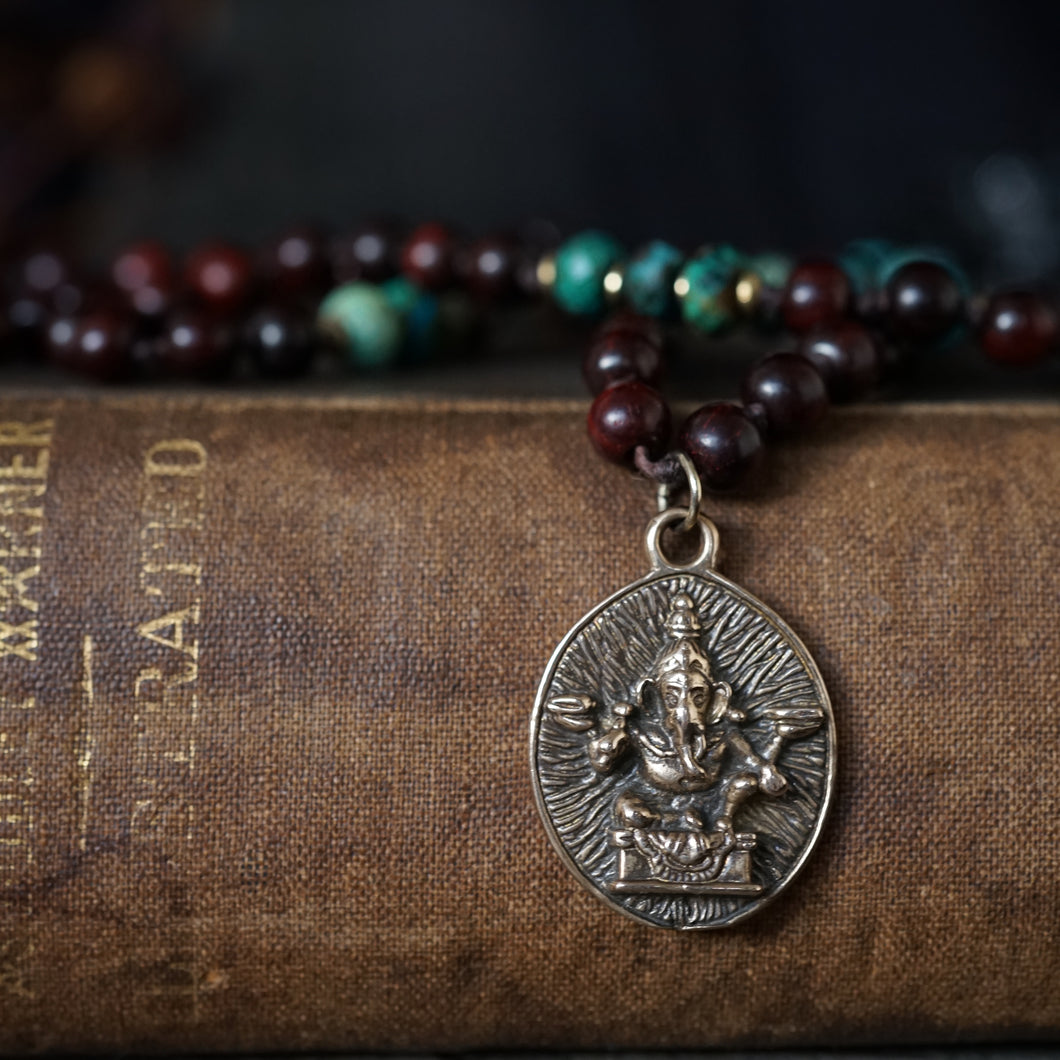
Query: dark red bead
x,y
789,389
1018,328
146,264
369,253
619,356
95,345
427,257
818,291
296,263
193,345
847,356
723,443
488,268
628,415
42,271
279,342
923,302
633,323
220,276
144,275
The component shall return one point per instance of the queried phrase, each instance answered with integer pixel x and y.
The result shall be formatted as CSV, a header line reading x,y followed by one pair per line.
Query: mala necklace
x,y
682,740
682,744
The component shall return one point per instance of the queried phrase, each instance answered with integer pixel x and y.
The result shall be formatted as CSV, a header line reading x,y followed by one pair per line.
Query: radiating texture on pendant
x,y
683,750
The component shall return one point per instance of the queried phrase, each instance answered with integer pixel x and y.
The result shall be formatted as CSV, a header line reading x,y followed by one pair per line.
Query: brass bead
x,y
613,283
747,289
546,272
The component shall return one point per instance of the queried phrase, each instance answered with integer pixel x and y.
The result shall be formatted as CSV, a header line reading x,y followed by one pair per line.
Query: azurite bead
x,y
723,443
220,276
618,356
847,356
818,291
1018,328
789,389
648,281
705,288
581,264
628,415
364,322
923,302
428,257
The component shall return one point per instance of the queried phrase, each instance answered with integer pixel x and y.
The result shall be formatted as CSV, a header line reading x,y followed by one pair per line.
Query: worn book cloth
x,y
266,669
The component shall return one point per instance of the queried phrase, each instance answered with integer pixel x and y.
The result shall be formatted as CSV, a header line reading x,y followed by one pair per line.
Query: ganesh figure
x,y
686,767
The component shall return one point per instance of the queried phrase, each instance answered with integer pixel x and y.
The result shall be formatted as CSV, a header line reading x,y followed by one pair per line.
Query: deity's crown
x,y
683,625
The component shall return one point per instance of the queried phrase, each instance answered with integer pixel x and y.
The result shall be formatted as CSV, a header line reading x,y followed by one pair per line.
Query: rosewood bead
x,y
817,292
220,276
146,264
143,273
194,345
295,263
628,322
723,443
42,271
618,356
789,389
488,268
923,302
846,355
280,343
428,257
1018,328
628,415
368,253
96,345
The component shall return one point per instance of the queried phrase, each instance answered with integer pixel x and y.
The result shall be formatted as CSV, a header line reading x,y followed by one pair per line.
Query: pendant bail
x,y
665,491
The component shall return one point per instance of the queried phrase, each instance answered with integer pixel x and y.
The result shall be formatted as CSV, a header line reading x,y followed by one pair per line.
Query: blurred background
x,y
769,124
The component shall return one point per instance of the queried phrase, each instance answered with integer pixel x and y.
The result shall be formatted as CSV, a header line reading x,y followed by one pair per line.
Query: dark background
x,y
771,124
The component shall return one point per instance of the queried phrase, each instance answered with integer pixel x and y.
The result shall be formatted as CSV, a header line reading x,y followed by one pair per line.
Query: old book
x,y
266,668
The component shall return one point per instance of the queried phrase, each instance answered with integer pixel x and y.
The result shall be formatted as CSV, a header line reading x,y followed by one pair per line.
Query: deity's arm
x,y
758,762
611,745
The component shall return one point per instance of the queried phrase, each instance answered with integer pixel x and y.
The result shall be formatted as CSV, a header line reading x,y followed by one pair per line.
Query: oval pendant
x,y
682,746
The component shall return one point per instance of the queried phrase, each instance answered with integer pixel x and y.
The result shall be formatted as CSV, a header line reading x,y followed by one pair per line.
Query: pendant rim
x,y
812,669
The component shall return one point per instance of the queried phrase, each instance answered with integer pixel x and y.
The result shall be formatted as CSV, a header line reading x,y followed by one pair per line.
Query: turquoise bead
x,y
419,314
862,260
366,323
772,268
648,283
706,301
900,256
581,264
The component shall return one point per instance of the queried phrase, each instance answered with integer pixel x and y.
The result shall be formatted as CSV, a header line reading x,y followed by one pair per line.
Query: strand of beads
x,y
630,421
874,303
377,296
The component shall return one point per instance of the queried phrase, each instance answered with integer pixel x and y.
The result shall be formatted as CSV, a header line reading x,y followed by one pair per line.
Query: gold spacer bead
x,y
546,272
613,281
746,291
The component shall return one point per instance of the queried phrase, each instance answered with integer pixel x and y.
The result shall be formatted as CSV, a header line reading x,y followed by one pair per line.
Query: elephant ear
x,y
649,700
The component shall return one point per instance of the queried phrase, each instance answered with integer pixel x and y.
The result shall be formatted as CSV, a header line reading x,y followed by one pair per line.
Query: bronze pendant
x,y
682,746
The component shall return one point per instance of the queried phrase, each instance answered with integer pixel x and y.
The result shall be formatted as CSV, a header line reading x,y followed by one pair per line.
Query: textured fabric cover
x,y
266,777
